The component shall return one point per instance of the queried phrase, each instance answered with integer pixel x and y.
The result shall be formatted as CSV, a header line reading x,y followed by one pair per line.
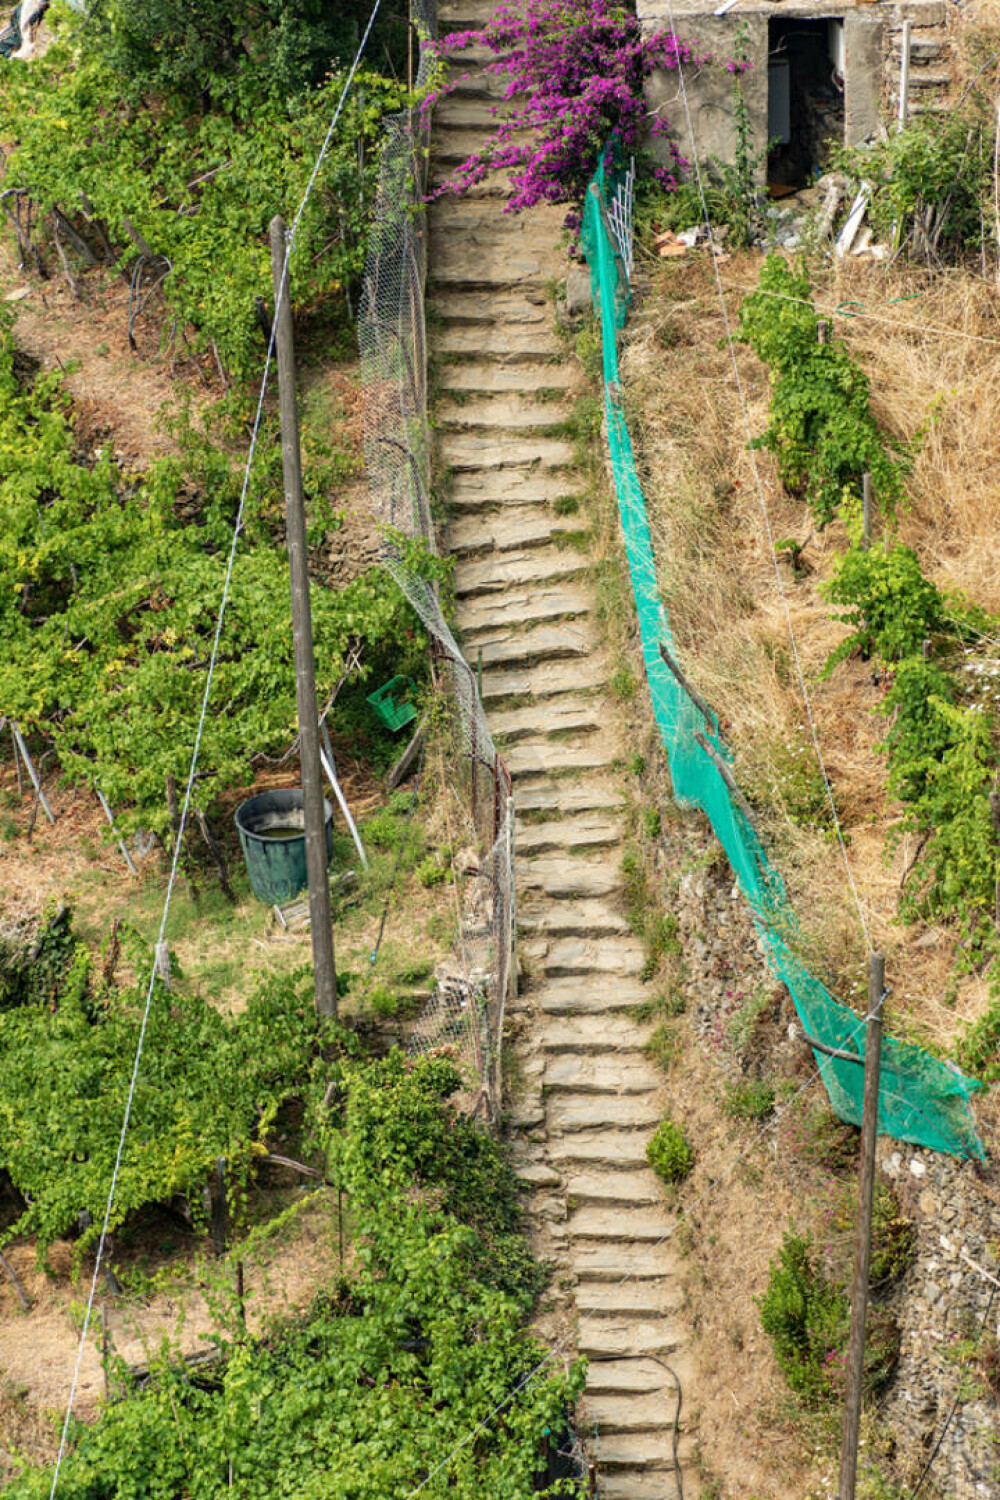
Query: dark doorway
x,y
805,97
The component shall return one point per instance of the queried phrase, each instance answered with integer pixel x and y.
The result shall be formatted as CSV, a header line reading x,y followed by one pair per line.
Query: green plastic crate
x,y
387,703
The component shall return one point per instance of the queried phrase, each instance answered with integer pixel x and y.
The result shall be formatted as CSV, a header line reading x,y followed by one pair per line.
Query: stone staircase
x,y
590,1097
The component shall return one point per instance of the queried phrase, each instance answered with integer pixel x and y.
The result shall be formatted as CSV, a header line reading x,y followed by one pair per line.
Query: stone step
x,y
559,797
598,1033
565,877
652,1297
481,614
637,1228
600,1337
570,639
527,527
489,258
462,112
519,344
641,1484
583,995
490,414
588,831
559,716
490,492
515,570
545,681
464,450
514,309
576,957
543,757
614,1189
569,918
631,1377
492,376
612,1260
607,1146
617,1074
652,1412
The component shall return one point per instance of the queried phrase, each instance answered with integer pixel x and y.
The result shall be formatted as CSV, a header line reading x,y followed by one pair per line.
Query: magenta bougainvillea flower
x,y
573,74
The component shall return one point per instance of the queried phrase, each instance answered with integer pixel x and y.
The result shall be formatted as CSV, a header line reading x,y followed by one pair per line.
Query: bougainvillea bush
x,y
574,73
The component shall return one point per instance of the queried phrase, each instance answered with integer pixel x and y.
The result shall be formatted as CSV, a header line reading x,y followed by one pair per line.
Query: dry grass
x,y
934,363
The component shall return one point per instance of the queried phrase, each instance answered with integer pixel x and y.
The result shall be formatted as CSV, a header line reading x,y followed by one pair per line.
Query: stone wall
x,y
872,45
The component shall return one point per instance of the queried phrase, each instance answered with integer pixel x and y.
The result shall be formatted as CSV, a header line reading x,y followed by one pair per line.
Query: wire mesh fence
x,y
466,1013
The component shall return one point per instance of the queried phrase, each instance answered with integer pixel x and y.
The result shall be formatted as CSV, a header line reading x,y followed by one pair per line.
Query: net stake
x,y
320,925
866,509
862,1258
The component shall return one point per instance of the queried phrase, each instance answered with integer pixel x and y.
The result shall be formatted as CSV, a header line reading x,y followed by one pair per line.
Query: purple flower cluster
x,y
574,72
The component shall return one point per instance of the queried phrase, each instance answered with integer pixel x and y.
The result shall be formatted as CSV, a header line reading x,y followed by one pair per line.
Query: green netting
x,y
922,1099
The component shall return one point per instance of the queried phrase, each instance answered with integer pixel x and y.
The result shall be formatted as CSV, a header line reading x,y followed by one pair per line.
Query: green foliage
x,y
34,960
919,734
749,1100
822,431
935,178
390,1371
738,180
201,186
210,1085
889,603
108,604
664,1046
978,1051
670,1153
817,1136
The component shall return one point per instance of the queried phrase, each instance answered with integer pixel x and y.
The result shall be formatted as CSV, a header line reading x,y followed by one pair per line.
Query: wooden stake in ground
x,y
305,670
904,75
862,1258
866,510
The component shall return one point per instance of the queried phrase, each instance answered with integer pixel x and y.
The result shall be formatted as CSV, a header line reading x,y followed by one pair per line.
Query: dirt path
x,y
526,600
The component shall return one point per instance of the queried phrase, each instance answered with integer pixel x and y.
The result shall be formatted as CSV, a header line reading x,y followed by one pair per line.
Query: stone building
x,y
820,71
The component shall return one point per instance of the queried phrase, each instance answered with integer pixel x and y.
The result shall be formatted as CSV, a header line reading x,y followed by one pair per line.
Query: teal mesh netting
x,y
921,1099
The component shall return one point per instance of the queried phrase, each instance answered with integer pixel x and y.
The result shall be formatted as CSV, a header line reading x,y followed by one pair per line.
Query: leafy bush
x,y
892,607
392,1367
822,431
806,1320
592,52
749,1100
669,1152
979,1049
210,1086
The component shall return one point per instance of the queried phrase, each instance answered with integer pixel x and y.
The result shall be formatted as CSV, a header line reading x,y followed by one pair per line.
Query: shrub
x,y
669,1152
889,603
750,1100
806,1320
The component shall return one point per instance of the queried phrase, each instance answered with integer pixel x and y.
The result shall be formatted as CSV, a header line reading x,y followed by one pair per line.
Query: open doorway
x,y
805,98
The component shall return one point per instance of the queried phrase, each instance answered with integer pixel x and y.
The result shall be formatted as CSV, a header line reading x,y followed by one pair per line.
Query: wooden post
x,y
822,331
121,842
995,815
866,509
30,766
479,674
904,75
219,1207
305,673
17,764
862,1258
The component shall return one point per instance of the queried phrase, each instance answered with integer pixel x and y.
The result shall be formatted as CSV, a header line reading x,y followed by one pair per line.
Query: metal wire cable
x,y
807,701
179,838
562,1346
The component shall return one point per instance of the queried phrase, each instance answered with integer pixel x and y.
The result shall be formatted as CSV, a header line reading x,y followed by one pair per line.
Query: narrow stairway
x,y
590,1097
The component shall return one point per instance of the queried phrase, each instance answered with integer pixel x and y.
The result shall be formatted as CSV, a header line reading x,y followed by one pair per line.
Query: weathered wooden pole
x,y
904,75
305,670
863,1252
866,509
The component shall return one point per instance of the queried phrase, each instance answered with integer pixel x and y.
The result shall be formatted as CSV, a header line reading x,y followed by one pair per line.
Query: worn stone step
x,y
514,309
559,716
620,1073
518,532
583,995
501,490
651,1451
537,1174
587,831
499,574
558,797
462,112
640,1226
614,1189
525,343
490,258
612,1260
641,1484
528,605
597,1033
503,413
652,1412
489,376
602,1337
571,638
569,918
544,757
576,957
562,876
608,1146
649,1297
463,450
545,681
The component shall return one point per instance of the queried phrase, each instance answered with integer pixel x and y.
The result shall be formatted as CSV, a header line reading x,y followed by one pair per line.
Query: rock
x,y
917,1168
578,293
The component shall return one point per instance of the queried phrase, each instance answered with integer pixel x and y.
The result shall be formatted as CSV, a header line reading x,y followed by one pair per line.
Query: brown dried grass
x,y
934,362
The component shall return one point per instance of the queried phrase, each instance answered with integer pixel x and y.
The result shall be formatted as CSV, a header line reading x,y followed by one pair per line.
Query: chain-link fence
x,y
466,1013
